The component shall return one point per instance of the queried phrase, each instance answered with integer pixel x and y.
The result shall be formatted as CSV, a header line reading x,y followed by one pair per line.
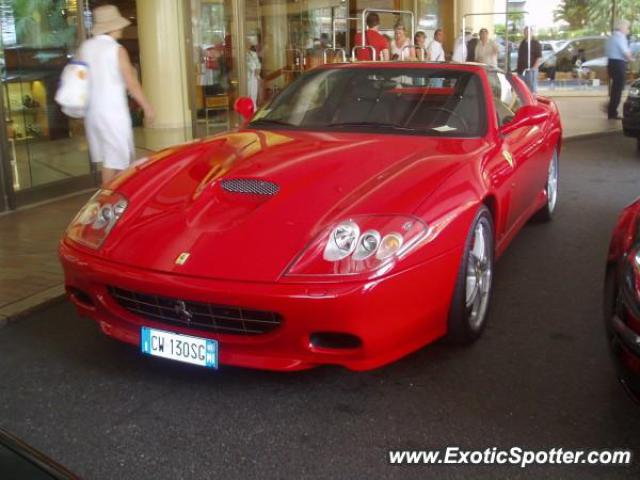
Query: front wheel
x,y
545,214
470,302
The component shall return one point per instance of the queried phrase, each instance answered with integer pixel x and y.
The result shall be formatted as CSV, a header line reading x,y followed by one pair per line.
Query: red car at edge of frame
x,y
622,298
352,220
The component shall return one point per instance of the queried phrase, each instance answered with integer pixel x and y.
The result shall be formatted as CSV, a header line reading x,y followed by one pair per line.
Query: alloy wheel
x,y
552,183
479,276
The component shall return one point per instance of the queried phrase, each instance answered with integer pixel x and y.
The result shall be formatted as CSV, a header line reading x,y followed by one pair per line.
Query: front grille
x,y
196,315
250,186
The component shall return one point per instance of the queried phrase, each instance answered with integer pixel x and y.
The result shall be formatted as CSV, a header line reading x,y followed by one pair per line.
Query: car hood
x,y
178,203
596,62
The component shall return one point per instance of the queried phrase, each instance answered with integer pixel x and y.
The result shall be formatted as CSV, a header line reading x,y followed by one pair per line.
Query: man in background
x,y
435,51
619,54
374,39
529,62
471,47
420,42
486,49
460,47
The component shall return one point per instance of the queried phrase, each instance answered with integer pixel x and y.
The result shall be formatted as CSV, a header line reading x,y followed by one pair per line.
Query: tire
x,y
638,144
545,214
472,294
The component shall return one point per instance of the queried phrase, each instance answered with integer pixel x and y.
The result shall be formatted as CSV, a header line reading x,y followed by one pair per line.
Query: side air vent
x,y
249,186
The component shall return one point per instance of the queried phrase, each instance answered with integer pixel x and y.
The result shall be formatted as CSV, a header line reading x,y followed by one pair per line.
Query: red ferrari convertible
x,y
352,220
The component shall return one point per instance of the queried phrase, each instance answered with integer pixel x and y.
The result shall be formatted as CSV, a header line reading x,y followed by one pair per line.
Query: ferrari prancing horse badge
x,y
507,156
182,258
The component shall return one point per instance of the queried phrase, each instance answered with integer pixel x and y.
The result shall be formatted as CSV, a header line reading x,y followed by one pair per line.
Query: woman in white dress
x,y
253,73
111,75
401,42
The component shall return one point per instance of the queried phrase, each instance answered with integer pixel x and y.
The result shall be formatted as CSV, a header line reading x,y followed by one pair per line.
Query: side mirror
x,y
526,116
245,107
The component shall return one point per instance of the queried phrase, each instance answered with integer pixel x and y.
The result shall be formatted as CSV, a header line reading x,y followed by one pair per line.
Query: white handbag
x,y
73,92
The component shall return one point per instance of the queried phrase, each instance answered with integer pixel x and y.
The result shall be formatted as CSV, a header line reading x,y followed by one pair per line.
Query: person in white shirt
x,y
401,44
435,51
420,42
460,47
487,49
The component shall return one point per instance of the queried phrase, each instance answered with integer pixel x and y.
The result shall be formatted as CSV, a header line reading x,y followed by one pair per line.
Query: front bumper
x,y
392,316
623,326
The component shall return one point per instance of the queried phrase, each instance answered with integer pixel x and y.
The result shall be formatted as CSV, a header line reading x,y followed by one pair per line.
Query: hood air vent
x,y
249,186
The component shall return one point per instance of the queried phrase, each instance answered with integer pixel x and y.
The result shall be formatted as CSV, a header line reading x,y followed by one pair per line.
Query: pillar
x,y
275,35
162,56
463,7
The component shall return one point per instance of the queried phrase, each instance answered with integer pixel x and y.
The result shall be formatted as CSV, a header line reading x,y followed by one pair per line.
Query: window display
x,y
38,39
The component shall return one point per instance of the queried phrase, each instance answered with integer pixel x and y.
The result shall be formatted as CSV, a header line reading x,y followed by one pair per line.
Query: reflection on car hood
x,y
303,182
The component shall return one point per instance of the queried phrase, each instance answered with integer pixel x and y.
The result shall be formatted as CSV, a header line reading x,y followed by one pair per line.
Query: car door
x,y
519,147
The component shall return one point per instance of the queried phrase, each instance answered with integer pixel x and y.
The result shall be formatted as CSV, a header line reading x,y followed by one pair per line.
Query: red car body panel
x,y
241,248
389,314
622,298
320,182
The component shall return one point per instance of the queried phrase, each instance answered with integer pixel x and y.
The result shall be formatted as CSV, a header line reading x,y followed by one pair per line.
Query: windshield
x,y
435,102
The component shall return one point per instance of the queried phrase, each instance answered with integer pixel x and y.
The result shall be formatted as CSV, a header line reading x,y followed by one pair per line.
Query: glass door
x,y
285,38
214,79
43,146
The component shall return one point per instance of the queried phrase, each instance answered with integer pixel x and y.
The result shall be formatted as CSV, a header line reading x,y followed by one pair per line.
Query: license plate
x,y
182,348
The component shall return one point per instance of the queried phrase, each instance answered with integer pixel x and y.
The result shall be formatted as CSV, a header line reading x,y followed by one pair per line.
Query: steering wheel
x,y
452,114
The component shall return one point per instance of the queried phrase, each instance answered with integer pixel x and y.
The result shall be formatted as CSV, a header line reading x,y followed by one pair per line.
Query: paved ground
x,y
539,378
584,115
28,245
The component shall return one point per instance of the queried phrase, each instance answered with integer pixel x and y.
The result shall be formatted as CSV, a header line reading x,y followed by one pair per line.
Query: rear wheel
x,y
551,190
470,302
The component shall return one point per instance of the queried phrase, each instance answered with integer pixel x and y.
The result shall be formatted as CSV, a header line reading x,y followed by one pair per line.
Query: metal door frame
x,y
7,195
237,13
367,11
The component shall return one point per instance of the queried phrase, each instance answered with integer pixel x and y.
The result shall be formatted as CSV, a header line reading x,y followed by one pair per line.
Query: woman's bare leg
x,y
108,174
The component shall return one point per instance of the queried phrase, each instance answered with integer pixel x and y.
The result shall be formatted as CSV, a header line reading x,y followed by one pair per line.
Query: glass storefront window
x,y
215,78
38,39
428,17
287,38
280,40
573,35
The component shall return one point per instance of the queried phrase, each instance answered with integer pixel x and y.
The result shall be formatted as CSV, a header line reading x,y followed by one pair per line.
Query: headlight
x,y
359,245
391,244
342,241
368,244
634,92
95,220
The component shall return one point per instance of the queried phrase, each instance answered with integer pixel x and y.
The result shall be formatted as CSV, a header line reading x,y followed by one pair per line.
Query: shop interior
x,y
280,40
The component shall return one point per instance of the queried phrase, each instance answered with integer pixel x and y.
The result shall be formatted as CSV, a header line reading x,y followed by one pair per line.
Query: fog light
x,y
80,296
335,340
